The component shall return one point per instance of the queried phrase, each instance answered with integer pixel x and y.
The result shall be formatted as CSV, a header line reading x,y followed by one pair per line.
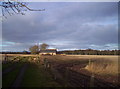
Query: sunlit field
x,y
104,65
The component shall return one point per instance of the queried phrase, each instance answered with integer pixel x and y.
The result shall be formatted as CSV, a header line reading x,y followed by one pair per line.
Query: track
x,y
19,78
12,67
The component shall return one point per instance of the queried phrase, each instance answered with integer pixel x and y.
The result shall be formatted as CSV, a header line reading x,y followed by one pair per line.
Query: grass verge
x,y
37,76
9,78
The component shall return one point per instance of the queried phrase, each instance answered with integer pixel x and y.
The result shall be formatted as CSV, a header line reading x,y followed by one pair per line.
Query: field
x,y
60,71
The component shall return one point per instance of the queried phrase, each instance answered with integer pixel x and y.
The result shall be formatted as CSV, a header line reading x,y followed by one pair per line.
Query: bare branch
x,y
8,11
30,8
16,7
13,10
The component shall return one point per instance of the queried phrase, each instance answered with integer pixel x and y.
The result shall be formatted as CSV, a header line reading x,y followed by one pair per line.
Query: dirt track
x,y
12,67
19,78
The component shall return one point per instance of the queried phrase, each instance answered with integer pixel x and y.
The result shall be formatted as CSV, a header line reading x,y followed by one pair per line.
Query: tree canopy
x,y
34,49
44,46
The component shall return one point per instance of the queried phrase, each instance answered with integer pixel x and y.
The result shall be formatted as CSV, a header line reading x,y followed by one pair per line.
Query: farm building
x,y
48,52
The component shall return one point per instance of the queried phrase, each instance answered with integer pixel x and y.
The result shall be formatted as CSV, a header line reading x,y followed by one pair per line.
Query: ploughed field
x,y
60,71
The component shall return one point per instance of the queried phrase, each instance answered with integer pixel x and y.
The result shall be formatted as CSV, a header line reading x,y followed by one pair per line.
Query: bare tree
x,y
44,46
15,7
34,49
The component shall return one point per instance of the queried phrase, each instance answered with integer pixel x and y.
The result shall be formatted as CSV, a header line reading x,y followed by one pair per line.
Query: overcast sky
x,y
63,26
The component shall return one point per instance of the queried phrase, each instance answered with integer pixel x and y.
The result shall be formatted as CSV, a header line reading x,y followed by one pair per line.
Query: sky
x,y
64,26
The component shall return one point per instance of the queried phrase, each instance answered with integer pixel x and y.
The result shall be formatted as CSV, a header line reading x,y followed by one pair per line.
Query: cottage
x,y
48,52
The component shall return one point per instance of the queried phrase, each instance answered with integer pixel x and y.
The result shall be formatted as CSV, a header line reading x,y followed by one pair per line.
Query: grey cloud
x,y
74,25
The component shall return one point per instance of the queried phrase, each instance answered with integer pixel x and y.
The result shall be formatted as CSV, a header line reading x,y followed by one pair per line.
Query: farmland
x,y
60,71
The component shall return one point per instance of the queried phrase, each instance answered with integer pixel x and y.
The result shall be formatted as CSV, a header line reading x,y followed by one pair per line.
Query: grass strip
x,y
37,76
7,65
9,78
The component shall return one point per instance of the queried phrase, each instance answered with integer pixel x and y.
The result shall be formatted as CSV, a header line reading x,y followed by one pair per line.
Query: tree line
x,y
35,49
90,52
73,52
10,52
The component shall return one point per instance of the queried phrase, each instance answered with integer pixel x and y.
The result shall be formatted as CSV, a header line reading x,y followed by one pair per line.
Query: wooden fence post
x,y
92,76
66,76
45,62
89,62
5,57
92,80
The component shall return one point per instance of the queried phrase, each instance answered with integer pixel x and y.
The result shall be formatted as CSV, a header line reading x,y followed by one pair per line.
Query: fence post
x,y
92,80
5,57
92,76
66,77
89,62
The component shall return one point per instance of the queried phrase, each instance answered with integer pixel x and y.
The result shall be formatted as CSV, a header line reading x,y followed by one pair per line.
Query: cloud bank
x,y
68,25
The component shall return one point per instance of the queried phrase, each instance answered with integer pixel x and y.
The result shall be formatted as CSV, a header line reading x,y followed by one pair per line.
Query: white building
x,y
48,52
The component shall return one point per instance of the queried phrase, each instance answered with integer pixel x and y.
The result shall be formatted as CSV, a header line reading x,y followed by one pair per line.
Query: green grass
x,y
10,63
7,65
9,78
36,76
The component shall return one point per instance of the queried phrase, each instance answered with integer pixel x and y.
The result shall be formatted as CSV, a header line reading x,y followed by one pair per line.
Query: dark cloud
x,y
64,26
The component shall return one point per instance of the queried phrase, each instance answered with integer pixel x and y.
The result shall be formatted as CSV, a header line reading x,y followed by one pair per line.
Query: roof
x,y
48,51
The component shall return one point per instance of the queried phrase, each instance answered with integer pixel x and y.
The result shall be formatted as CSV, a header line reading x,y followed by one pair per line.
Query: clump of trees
x,y
36,48
44,46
